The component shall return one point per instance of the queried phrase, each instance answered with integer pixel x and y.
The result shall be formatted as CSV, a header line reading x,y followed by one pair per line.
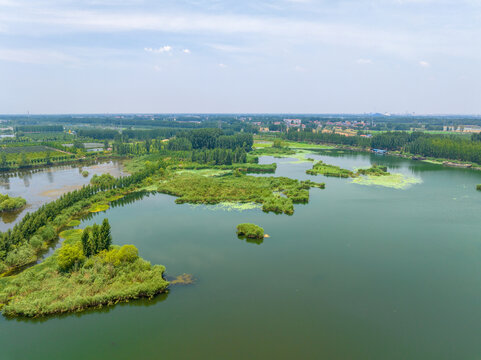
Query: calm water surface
x,y
43,185
361,272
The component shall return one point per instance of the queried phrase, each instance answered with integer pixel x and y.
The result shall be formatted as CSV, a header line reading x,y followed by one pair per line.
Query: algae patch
x,y
184,279
394,181
98,207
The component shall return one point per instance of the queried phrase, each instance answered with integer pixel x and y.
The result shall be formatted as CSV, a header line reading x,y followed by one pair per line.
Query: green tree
x,y
47,158
96,247
24,161
3,162
105,235
86,243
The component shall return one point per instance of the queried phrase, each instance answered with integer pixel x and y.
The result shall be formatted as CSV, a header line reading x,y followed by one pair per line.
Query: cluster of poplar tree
x,y
419,143
38,128
219,156
96,238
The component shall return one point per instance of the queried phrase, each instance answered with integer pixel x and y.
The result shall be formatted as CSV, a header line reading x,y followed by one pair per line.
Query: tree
x,y
3,163
86,244
47,158
96,248
105,235
24,161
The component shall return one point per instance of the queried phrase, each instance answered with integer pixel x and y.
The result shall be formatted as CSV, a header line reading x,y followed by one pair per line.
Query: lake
x,y
360,272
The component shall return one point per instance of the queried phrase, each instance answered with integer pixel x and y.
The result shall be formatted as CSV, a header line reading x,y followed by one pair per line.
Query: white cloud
x,y
424,63
162,49
186,51
364,61
299,68
400,41
157,68
222,66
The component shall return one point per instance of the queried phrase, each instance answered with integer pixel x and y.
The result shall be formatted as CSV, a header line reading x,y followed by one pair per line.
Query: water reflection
x,y
250,240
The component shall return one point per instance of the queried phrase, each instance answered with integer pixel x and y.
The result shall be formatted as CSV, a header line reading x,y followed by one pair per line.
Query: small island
x,y
10,204
250,231
86,271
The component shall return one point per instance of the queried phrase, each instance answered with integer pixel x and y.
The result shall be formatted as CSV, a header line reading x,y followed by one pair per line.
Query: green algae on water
x,y
394,181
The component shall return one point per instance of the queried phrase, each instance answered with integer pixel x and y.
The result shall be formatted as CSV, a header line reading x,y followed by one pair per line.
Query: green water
x,y
361,272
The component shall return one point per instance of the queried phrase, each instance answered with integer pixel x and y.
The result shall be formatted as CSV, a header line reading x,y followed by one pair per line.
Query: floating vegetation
x,y
71,234
184,279
205,172
394,181
235,206
98,207
114,198
73,223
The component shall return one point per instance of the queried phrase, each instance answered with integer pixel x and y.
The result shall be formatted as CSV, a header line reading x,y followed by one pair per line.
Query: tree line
x,y
419,143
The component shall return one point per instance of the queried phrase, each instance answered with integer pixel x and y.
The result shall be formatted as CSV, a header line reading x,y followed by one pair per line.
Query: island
x,y
250,231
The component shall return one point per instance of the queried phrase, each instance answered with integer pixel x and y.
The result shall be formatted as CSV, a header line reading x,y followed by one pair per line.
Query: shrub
x,y
85,173
11,204
126,254
36,242
478,187
69,256
20,256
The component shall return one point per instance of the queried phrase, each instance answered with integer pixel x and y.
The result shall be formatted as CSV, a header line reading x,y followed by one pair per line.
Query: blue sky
x,y
289,56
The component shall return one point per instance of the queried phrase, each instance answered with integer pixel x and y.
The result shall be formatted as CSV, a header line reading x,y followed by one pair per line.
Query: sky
x,y
249,56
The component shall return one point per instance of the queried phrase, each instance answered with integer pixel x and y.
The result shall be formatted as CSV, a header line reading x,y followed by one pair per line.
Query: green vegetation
x,y
71,281
329,170
374,170
419,143
394,181
104,181
276,194
98,207
21,245
478,187
85,173
8,204
73,223
250,231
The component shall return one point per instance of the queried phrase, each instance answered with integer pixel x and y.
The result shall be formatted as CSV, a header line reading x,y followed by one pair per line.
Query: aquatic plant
x,y
394,181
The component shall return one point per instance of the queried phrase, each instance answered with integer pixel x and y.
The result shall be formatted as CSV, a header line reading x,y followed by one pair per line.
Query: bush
x,y
11,204
85,173
69,256
127,253
251,231
478,187
20,256
36,242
